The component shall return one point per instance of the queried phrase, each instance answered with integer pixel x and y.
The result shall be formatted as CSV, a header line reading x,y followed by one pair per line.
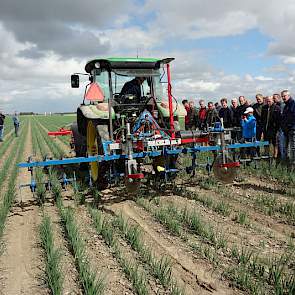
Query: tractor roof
x,y
126,63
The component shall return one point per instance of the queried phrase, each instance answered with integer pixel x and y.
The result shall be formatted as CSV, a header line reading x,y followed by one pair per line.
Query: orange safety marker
x,y
94,93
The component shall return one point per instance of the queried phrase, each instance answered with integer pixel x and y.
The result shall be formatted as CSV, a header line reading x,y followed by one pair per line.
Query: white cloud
x,y
197,18
288,60
131,39
191,87
249,78
263,78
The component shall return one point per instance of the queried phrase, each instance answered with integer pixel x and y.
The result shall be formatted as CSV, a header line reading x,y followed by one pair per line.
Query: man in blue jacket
x,y
248,123
288,126
15,120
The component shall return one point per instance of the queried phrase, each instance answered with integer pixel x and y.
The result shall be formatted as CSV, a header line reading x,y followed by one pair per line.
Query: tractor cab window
x,y
102,78
151,86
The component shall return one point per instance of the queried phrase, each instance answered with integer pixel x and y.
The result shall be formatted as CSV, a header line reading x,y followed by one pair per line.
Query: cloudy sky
x,y
223,48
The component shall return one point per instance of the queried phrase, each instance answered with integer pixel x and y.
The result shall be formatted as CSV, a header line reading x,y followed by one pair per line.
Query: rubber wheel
x,y
80,144
224,174
96,134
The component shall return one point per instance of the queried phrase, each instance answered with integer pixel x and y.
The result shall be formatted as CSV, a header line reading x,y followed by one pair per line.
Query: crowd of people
x,y
16,123
270,118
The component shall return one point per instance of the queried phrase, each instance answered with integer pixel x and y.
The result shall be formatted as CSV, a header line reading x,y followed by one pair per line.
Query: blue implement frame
x,y
166,151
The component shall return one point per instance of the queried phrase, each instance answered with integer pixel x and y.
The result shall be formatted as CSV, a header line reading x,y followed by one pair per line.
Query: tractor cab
x,y
124,88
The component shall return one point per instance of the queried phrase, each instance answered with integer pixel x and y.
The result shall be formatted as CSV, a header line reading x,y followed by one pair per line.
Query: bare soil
x,y
22,267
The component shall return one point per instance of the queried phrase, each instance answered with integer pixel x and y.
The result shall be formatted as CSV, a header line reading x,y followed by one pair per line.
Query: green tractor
x,y
108,107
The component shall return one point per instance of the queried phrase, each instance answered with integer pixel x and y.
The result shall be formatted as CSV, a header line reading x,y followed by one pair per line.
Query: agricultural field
x,y
196,236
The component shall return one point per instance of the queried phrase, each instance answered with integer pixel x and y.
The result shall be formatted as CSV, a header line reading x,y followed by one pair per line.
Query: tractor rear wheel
x,y
96,134
79,141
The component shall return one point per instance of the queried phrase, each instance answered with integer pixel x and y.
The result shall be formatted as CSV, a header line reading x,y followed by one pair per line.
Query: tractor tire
x,y
80,144
96,134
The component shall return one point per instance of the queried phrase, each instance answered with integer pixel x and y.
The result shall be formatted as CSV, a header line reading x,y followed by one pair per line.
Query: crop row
x,y
53,123
90,281
248,271
8,163
6,144
9,195
159,268
38,142
278,173
53,257
56,150
221,207
263,203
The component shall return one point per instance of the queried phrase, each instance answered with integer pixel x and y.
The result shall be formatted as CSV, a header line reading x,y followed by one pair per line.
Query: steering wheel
x,y
145,99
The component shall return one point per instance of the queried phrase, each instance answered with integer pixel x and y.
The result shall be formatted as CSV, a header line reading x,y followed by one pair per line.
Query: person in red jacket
x,y
201,116
187,118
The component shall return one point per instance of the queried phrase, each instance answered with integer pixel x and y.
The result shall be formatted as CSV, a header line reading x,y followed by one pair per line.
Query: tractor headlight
x,y
97,65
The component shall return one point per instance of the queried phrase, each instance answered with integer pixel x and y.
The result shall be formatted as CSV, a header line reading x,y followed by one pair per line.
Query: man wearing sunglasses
x,y
288,126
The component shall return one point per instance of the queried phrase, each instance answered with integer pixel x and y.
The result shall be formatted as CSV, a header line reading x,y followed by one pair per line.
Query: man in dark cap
x,y
133,87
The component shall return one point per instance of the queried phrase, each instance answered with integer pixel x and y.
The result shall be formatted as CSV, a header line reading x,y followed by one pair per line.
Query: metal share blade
x,y
224,174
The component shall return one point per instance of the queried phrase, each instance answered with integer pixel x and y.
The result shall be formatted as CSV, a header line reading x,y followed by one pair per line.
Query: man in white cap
x,y
248,125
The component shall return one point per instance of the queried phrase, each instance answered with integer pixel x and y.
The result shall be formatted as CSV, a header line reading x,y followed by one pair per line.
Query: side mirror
x,y
75,81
